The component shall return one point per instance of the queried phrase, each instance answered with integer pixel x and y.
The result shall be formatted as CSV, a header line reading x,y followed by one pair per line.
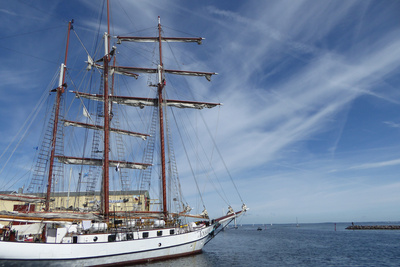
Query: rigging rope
x,y
223,197
223,191
190,165
211,136
30,119
80,41
223,161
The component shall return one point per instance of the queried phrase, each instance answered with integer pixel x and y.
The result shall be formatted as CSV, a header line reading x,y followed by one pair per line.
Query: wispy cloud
x,y
392,124
374,165
8,12
304,101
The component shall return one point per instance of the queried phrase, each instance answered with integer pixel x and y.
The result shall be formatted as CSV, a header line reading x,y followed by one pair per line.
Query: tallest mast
x,y
161,85
106,164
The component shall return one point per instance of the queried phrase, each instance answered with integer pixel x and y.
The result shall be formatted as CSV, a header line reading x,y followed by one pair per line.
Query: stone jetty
x,y
373,227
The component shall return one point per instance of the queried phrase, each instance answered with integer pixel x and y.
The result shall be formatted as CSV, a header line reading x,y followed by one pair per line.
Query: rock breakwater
x,y
373,227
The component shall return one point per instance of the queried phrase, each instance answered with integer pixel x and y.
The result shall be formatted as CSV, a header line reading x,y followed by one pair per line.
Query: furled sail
x,y
163,39
142,102
150,70
22,198
44,217
192,73
99,162
100,127
156,39
131,71
190,104
114,69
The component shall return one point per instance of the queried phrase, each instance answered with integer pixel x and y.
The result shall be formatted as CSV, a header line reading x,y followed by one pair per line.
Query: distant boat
x,y
297,222
259,229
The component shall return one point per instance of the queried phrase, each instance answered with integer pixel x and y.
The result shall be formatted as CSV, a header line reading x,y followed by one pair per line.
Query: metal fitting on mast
x,y
106,44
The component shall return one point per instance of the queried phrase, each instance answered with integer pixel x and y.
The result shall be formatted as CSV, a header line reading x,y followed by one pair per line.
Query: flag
x,y
86,112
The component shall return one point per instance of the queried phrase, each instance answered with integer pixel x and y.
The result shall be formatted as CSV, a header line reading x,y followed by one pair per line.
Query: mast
x,y
106,141
106,171
159,100
161,85
60,91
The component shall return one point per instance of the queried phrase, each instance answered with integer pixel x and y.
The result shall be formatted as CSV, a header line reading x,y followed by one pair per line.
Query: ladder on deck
x,y
39,176
145,175
91,177
123,173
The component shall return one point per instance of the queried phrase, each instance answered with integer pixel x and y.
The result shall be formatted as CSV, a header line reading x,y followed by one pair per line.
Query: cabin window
x,y
75,239
172,231
129,236
159,233
145,234
111,238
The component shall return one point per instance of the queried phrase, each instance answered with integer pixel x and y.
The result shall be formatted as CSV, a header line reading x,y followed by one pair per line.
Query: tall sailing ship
x,y
95,232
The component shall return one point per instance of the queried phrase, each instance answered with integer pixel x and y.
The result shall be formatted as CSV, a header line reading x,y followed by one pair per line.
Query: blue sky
x,y
310,122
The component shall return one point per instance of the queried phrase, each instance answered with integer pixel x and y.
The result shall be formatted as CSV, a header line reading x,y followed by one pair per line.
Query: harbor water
x,y
324,244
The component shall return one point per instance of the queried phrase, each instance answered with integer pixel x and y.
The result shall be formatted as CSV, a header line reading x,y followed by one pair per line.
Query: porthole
x,y
159,244
95,238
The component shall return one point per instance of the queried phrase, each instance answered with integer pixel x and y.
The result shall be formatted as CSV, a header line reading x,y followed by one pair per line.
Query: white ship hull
x,y
105,253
